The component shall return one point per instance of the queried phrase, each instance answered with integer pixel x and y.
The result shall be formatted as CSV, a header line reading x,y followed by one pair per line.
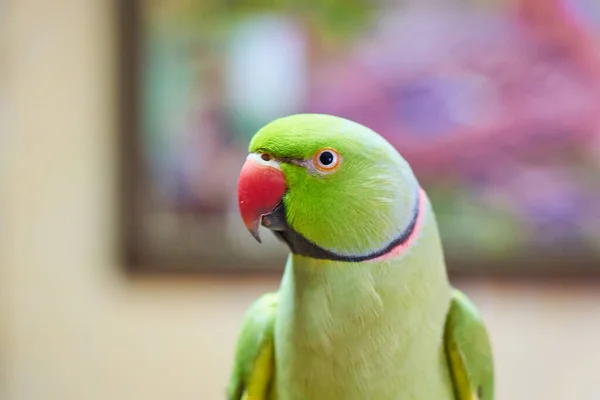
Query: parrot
x,y
365,308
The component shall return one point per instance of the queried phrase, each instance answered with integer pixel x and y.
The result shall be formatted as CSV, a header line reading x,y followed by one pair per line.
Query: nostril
x,y
265,157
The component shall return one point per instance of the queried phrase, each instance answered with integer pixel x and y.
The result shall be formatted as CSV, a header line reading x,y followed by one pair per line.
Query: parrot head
x,y
328,187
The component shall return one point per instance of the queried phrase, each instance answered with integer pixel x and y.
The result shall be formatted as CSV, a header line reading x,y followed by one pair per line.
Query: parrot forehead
x,y
300,135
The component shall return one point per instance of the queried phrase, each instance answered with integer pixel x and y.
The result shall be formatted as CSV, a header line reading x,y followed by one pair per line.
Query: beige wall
x,y
73,328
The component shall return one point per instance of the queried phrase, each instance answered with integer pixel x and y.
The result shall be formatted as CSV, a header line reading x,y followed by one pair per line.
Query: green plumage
x,y
388,328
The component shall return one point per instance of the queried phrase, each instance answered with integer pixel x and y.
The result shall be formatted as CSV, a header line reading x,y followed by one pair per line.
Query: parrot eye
x,y
265,156
326,160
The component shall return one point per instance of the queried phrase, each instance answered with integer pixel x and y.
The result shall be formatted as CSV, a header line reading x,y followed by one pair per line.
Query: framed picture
x,y
496,107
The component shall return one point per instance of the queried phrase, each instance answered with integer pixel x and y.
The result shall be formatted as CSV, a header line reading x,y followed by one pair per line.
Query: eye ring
x,y
327,159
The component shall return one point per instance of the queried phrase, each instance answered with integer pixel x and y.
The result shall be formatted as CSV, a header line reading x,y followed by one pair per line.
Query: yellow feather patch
x,y
461,379
260,379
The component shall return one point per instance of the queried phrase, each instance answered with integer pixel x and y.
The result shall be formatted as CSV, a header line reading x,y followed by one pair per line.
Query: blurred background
x,y
123,126
496,105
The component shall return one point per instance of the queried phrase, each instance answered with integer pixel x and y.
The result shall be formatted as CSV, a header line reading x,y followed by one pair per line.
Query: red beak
x,y
260,189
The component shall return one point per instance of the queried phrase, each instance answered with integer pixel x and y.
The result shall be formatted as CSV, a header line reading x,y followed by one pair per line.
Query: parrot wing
x,y
254,362
468,350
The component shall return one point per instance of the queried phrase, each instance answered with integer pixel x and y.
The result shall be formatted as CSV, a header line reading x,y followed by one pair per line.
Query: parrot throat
x,y
277,222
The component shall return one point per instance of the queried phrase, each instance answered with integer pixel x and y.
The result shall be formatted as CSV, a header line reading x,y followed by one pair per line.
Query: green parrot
x,y
365,309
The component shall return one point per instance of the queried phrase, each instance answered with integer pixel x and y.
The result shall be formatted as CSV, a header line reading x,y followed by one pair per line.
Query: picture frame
x,y
207,237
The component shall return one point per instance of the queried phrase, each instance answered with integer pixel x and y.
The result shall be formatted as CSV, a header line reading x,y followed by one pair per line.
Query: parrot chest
x,y
368,333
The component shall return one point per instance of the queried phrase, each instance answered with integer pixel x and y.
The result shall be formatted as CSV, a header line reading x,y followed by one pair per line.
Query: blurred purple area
x,y
496,108
438,89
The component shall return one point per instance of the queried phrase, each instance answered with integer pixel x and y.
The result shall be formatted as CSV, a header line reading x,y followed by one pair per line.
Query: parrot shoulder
x,y
254,362
468,350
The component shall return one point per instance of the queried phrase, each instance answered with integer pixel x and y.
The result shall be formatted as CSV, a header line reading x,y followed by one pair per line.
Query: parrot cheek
x,y
260,189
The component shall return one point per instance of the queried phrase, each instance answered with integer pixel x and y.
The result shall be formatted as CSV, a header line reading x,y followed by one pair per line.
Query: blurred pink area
x,y
471,84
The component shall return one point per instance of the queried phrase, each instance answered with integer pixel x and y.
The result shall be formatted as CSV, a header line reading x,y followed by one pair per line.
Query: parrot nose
x,y
260,189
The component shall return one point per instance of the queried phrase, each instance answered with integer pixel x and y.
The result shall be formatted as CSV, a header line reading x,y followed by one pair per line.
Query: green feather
x,y
469,350
253,371
360,207
391,328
